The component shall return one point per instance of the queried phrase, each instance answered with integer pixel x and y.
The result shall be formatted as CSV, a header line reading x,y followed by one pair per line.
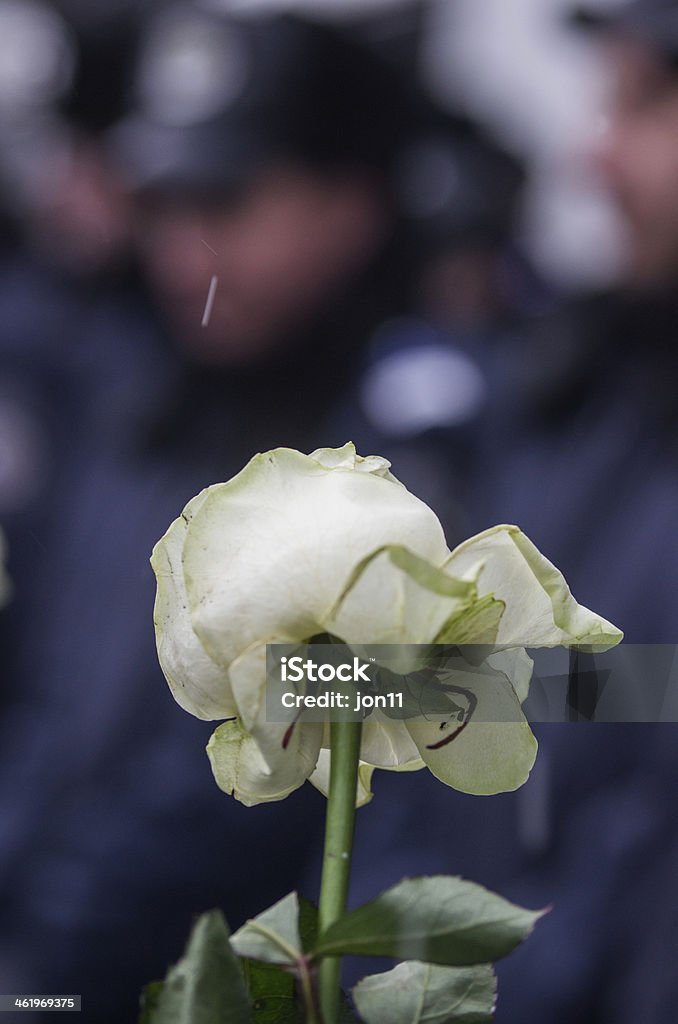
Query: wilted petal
x,y
386,743
540,610
321,779
413,599
366,768
478,623
240,768
248,683
198,684
493,752
271,733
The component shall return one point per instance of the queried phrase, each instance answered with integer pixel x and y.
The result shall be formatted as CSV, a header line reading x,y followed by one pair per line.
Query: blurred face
x,y
81,215
638,157
280,251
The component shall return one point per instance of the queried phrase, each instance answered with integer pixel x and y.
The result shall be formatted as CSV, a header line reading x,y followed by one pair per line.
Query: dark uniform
x,y
582,453
591,474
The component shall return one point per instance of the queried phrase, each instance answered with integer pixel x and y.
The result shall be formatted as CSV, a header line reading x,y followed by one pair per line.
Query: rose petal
x,y
540,609
241,770
494,752
396,597
269,553
386,743
321,779
198,685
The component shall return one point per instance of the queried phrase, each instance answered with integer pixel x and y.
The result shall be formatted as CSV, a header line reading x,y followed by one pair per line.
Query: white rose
x,y
296,546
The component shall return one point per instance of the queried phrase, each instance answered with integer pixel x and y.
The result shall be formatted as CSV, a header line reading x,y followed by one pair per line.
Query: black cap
x,y
457,184
100,90
653,21
219,96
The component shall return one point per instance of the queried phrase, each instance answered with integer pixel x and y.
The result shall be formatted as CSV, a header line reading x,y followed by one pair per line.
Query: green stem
x,y
308,995
345,754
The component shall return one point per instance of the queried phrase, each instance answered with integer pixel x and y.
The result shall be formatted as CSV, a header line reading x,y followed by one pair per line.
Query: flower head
x,y
296,546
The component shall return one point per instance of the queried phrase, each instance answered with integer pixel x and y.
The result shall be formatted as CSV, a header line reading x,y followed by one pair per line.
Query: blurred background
x,y
445,230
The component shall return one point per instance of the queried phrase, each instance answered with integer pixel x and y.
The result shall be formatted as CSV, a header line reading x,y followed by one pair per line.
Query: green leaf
x,y
414,993
272,994
207,984
280,937
441,919
274,991
273,936
149,1001
308,924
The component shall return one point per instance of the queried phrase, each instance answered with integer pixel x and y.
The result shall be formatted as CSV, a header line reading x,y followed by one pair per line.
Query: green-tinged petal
x,y
540,609
321,776
347,458
250,688
197,683
240,768
492,753
485,759
278,732
321,779
476,624
394,596
337,458
268,554
386,743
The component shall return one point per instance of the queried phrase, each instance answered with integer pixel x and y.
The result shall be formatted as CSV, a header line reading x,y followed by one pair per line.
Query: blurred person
x,y
589,469
637,155
580,449
54,104
282,195
429,374
66,265
591,388
78,217
259,155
